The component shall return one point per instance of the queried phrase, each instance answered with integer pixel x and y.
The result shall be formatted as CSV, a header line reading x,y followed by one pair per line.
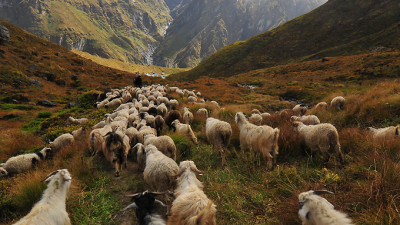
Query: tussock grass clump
x,y
184,146
14,141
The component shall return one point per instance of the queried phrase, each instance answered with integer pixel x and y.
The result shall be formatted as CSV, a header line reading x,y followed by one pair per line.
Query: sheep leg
x,y
221,151
325,154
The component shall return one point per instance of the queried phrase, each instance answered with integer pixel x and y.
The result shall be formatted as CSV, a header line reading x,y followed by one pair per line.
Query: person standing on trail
x,y
138,81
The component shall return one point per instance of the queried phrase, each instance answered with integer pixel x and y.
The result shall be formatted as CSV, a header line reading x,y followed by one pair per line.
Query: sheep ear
x,y
320,192
50,176
292,119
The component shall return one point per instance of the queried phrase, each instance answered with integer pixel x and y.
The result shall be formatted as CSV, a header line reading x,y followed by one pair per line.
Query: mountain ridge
x,y
329,30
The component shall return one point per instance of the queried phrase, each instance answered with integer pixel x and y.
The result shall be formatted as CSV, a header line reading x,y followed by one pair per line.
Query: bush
x,y
44,115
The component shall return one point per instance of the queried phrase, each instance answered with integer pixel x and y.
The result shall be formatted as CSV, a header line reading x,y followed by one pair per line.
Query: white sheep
x,y
255,119
191,99
338,103
51,210
184,129
202,112
144,130
316,210
173,104
77,121
162,109
114,103
307,120
79,134
160,171
96,137
187,116
191,206
321,106
299,109
215,105
61,142
320,138
261,139
23,163
386,133
219,135
164,144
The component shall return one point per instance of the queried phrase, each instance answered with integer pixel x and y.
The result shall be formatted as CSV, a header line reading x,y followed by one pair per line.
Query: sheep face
x,y
304,211
60,175
188,166
3,172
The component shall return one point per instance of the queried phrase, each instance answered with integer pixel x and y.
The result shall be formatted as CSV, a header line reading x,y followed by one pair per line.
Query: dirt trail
x,y
128,217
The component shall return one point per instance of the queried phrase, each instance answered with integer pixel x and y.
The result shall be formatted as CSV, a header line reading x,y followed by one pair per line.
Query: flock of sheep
x,y
133,133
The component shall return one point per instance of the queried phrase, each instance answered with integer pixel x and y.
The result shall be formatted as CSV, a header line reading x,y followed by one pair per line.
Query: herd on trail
x,y
133,131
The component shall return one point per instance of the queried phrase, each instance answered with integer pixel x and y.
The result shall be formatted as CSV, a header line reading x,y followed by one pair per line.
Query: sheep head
x,y
188,165
240,117
3,172
311,196
61,175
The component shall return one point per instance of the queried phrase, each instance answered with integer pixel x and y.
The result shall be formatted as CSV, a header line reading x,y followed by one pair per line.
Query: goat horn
x,y
132,195
161,193
320,192
51,174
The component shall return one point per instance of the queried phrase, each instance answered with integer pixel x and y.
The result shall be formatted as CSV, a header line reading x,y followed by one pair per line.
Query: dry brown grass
x,y
14,141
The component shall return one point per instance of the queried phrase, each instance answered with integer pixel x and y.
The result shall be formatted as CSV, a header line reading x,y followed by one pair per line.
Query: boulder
x,y
4,34
45,103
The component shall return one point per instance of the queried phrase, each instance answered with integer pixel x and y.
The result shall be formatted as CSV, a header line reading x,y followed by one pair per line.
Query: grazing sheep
x,y
102,104
180,93
100,124
316,210
320,138
77,121
61,142
162,109
191,206
173,89
307,120
138,149
265,117
261,139
96,137
321,106
162,100
148,209
23,163
159,121
79,134
184,129
202,112
299,109
387,133
187,116
219,135
114,103
173,104
153,111
164,144
338,103
50,210
144,131
191,99
171,116
114,151
255,119
132,134
215,105
160,171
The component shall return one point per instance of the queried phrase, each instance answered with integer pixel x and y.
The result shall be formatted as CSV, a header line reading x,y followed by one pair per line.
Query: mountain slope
x,y
32,68
339,27
124,30
202,27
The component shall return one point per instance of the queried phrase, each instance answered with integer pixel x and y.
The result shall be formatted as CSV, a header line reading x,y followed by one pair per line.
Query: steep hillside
x,y
33,68
339,27
124,30
200,28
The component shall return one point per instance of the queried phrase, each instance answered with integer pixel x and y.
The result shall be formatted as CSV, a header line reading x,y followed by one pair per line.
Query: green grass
x,y
8,107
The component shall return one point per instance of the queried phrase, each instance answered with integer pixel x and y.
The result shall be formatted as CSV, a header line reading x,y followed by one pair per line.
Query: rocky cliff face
x,y
127,30
200,28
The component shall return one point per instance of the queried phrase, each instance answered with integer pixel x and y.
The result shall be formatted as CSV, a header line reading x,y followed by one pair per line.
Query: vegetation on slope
x,y
339,27
124,30
128,67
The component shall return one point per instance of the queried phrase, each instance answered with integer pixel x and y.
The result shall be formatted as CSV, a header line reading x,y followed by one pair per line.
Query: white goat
x,y
50,210
316,210
191,206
